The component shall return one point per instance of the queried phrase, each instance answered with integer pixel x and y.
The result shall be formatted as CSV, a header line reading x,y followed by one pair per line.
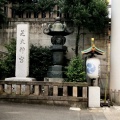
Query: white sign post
x,y
22,51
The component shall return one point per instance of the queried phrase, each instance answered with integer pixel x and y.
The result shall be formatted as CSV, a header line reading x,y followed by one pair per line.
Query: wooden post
x,y
55,90
65,91
74,91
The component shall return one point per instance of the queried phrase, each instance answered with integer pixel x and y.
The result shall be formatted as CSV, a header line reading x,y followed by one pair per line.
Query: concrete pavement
x,y
16,111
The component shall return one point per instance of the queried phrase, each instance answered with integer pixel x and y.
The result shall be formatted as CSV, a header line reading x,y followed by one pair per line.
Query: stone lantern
x,y
57,30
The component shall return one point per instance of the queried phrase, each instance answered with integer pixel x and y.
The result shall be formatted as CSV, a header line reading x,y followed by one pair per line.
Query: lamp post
x,y
93,69
92,63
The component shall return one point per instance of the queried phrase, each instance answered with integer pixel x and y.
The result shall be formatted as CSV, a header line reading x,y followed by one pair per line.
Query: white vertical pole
x,y
115,46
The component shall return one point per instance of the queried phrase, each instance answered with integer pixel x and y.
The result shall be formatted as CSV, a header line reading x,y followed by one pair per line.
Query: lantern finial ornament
x,y
93,49
92,42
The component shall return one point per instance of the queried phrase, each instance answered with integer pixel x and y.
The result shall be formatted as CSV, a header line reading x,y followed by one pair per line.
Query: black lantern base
x,y
55,71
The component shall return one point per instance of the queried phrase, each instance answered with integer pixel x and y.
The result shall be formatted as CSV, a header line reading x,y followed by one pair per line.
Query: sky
x,y
109,9
109,1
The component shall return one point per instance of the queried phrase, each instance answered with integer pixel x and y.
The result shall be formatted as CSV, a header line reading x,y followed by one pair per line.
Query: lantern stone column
x,y
115,46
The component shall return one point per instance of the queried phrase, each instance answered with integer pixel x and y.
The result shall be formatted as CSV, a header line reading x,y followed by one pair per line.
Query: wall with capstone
x,y
38,38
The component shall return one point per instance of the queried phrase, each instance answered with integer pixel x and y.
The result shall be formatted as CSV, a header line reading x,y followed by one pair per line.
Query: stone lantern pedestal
x,y
57,70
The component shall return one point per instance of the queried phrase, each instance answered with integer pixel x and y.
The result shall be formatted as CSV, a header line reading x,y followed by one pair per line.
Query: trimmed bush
x,y
40,60
75,71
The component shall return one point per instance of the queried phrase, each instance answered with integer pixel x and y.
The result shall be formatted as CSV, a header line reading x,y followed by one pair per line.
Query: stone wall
x,y
38,38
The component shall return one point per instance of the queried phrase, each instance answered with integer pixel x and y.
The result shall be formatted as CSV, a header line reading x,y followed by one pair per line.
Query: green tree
x,y
3,17
35,6
90,14
45,5
75,71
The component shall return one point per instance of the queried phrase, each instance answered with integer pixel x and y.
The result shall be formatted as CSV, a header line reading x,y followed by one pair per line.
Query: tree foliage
x,y
7,64
3,17
32,5
46,5
90,14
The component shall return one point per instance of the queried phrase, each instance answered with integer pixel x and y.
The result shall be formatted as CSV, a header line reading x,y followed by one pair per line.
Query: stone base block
x,y
56,71
93,96
55,74
53,79
22,86
20,79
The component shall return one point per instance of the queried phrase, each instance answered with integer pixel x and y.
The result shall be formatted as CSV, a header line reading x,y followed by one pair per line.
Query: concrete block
x,y
93,96
55,90
37,91
65,91
74,91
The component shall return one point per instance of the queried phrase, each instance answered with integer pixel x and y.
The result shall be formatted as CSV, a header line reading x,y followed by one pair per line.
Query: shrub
x,y
75,71
1,70
40,59
8,62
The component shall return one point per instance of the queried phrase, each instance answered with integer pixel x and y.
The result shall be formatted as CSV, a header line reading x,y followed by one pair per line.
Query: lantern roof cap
x,y
58,28
93,49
